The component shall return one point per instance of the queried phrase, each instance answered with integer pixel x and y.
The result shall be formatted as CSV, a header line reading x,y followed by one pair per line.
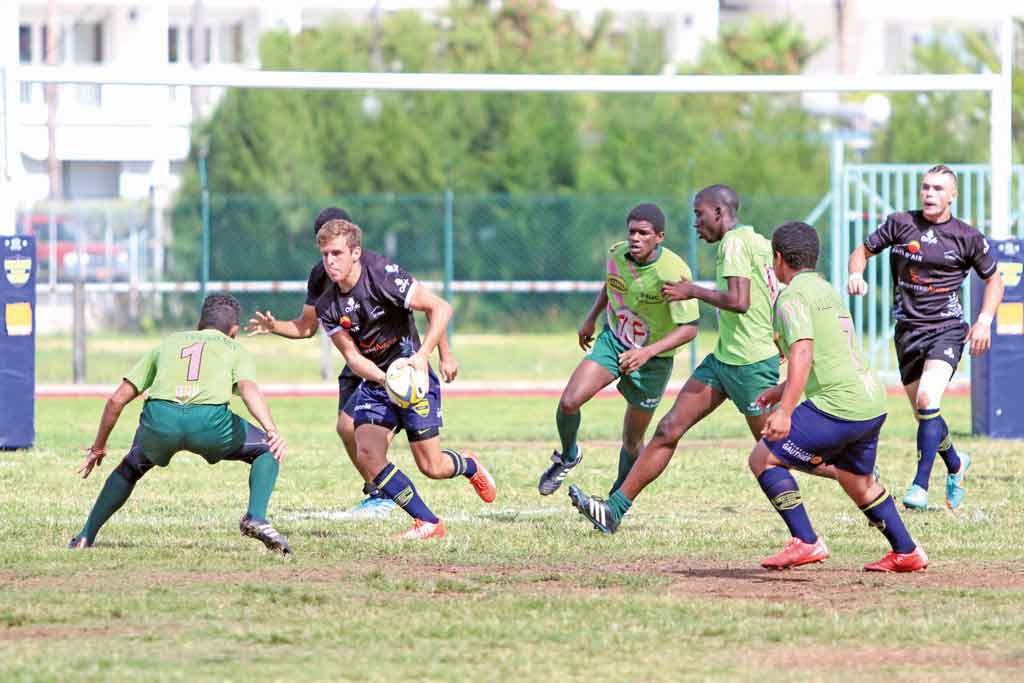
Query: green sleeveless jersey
x,y
746,338
638,314
840,384
195,367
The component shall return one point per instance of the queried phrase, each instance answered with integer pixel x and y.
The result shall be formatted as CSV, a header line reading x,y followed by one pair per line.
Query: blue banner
x,y
17,341
997,376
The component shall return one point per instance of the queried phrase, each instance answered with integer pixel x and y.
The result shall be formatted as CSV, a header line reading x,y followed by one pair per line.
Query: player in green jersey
x,y
190,377
642,333
838,422
745,361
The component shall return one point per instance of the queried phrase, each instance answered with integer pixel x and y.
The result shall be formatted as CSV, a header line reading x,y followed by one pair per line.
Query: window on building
x,y
190,40
44,42
25,43
231,40
173,51
87,42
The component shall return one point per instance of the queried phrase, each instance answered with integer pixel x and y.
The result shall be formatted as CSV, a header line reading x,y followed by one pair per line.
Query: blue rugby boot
x,y
554,475
597,510
955,489
375,506
916,498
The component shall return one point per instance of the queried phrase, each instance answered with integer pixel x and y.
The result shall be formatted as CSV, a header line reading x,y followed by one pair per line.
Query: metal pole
x,y
449,251
1001,135
838,209
204,273
78,316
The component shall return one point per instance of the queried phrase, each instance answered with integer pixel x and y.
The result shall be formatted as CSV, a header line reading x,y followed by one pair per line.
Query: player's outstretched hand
x,y
449,368
776,426
586,334
980,338
277,445
261,323
93,458
678,291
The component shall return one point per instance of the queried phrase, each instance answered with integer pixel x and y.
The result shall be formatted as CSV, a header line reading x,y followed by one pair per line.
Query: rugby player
x,y
931,254
368,313
190,377
838,422
375,504
642,333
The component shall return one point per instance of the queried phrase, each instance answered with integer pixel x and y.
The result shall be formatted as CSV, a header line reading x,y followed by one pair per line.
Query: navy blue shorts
x,y
348,384
817,438
371,405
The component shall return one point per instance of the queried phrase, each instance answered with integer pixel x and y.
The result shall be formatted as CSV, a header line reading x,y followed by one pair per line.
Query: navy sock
x,y
568,427
461,464
930,431
882,514
780,487
948,453
396,486
625,465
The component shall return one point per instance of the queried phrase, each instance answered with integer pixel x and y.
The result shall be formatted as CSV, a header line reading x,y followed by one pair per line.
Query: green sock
x,y
625,465
568,426
619,504
262,477
113,495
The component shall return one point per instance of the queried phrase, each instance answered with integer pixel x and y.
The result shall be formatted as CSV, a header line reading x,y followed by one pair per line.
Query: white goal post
x,y
997,85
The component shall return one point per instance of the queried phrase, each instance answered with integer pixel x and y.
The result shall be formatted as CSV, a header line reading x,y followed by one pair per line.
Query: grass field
x,y
519,590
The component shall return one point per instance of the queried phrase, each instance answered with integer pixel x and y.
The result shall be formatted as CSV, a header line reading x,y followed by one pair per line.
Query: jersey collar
x,y
657,255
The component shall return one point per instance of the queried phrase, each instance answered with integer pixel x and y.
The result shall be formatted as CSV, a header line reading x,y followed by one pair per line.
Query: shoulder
x,y
903,218
965,229
618,249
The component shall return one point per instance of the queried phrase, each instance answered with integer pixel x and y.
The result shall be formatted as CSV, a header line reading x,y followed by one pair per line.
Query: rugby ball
x,y
404,385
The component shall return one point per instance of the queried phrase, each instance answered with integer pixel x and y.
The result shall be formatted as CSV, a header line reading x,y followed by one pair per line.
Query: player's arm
x,y
122,396
855,267
448,364
980,334
736,298
633,359
801,355
439,314
589,325
357,362
258,408
302,327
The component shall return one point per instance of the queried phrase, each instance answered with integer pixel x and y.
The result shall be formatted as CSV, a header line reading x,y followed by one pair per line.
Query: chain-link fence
x,y
525,262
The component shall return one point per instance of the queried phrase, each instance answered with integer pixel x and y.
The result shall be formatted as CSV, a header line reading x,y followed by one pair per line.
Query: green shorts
x,y
741,383
643,388
210,431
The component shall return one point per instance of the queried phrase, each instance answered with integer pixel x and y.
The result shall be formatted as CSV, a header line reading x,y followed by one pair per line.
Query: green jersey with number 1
x,y
746,338
840,383
194,367
638,313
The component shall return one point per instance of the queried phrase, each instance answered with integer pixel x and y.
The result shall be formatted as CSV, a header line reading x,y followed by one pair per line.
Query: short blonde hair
x,y
336,228
944,170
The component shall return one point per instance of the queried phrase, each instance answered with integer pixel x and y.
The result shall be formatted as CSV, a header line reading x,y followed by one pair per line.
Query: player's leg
x,y
595,372
116,490
375,504
854,469
634,427
695,401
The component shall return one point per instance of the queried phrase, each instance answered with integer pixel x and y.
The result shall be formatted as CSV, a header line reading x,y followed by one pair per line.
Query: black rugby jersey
x,y
929,263
375,312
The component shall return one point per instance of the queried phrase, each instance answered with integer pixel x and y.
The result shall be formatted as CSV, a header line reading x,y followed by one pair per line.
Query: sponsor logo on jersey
x,y
950,255
914,246
351,305
391,268
422,408
402,284
346,322
948,353
929,237
617,284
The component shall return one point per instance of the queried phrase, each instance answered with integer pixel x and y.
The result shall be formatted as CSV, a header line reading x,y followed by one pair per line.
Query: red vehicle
x,y
98,261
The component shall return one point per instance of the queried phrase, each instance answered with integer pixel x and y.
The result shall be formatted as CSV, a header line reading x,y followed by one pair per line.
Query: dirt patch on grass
x,y
917,661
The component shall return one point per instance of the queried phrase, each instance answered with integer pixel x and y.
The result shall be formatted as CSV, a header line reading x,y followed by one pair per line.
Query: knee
x,y
134,466
669,432
569,404
757,462
346,428
633,446
923,400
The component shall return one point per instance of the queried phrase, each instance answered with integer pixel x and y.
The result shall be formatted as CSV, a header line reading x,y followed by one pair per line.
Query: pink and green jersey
x,y
194,367
638,314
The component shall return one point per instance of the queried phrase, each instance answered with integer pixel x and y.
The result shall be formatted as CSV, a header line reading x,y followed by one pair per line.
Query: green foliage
x,y
944,126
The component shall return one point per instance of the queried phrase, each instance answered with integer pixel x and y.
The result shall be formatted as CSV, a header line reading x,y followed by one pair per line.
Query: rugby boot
x,y
375,506
79,542
896,562
262,531
482,481
955,489
797,553
597,510
916,498
422,530
555,474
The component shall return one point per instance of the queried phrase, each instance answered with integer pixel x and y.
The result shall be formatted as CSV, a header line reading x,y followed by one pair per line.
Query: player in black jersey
x,y
375,504
931,253
368,313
